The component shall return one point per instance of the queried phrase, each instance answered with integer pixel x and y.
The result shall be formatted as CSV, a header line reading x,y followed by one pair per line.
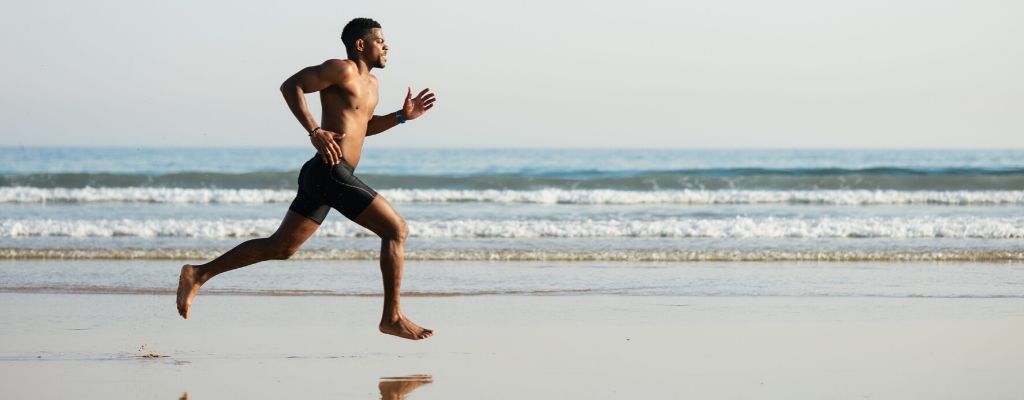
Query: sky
x,y
625,74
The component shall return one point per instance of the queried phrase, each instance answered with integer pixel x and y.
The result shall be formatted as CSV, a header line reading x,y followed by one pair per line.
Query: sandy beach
x,y
768,200
120,346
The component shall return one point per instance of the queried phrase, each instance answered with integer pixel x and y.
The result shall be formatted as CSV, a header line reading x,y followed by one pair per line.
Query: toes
x,y
183,310
406,330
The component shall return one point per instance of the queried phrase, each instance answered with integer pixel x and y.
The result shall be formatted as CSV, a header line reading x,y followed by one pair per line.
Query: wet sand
x,y
516,347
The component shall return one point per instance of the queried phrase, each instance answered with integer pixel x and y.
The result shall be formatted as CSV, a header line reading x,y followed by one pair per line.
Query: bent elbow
x,y
291,85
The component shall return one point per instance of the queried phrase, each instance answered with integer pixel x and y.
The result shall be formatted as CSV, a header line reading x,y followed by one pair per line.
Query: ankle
x,y
200,275
391,318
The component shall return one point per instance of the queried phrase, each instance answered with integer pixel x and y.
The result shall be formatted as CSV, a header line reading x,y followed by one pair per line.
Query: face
x,y
374,51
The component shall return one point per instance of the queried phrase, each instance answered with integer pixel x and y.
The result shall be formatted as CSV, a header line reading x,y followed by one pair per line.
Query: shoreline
x,y
453,279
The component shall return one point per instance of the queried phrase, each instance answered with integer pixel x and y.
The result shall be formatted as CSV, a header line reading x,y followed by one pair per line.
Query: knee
x,y
398,231
283,251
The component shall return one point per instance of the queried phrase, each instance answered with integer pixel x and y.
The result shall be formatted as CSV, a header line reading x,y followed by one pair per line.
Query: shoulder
x,y
337,71
335,66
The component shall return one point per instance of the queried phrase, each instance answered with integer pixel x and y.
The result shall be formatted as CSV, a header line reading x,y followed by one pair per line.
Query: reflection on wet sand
x,y
391,388
396,388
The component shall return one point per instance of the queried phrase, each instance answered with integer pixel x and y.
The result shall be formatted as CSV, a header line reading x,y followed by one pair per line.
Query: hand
x,y
326,143
416,106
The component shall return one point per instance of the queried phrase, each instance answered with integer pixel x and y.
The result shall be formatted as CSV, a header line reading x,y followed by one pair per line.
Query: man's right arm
x,y
309,80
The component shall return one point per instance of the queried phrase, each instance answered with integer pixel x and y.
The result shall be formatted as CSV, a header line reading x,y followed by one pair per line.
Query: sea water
x,y
530,221
528,204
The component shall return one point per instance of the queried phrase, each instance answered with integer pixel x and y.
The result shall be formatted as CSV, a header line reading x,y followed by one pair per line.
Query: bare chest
x,y
354,97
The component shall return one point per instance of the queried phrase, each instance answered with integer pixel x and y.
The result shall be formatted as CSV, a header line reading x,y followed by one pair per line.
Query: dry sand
x,y
512,347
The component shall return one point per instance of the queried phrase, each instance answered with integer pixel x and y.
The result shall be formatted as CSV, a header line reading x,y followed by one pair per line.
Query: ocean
x,y
530,221
528,204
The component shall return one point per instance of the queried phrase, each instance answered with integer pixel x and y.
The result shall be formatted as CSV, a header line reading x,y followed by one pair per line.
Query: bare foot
x,y
404,328
398,388
188,288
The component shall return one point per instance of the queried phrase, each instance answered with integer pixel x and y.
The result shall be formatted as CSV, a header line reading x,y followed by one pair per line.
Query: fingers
x,y
335,152
426,97
332,139
328,154
325,154
320,149
428,102
326,144
332,146
414,107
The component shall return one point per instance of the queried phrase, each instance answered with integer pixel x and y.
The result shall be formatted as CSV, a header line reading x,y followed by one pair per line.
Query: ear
x,y
360,44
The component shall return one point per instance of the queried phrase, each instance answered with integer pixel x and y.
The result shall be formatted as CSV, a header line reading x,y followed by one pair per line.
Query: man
x,y
348,94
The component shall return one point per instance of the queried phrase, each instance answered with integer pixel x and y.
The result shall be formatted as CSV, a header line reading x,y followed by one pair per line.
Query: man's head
x,y
363,39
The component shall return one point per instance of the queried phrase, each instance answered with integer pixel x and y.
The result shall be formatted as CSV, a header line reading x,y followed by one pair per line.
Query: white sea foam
x,y
710,197
731,228
629,255
29,195
21,194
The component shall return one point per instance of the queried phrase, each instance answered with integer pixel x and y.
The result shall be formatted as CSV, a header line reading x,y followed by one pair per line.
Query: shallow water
x,y
448,278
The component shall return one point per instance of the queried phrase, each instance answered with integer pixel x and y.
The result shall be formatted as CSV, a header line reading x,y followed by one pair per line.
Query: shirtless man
x,y
348,94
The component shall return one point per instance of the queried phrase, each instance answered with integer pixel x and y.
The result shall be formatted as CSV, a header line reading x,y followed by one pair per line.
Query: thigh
x,y
335,186
381,218
307,202
348,194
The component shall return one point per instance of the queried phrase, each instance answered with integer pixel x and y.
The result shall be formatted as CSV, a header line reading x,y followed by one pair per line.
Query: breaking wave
x,y
961,227
33,195
625,255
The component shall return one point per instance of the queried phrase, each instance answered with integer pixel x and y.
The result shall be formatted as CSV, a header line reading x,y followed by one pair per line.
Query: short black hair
x,y
355,29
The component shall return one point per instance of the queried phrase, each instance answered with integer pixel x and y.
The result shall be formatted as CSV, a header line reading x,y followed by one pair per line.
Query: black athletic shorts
x,y
322,187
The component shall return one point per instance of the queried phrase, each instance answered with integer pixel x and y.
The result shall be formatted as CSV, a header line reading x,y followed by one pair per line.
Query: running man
x,y
348,94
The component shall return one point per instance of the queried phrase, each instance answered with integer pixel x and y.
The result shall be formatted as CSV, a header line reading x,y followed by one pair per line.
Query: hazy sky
x,y
638,73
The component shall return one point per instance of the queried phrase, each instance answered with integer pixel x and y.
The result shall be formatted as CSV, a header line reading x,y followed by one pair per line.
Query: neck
x,y
364,67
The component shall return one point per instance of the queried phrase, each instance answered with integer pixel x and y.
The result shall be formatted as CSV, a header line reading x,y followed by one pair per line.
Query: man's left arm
x,y
413,108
